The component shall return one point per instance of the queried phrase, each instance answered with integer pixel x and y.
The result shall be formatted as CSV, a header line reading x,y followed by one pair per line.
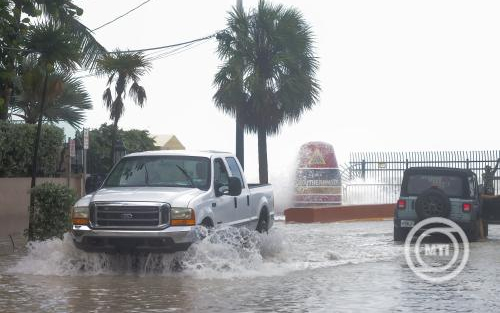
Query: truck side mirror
x,y
234,186
217,189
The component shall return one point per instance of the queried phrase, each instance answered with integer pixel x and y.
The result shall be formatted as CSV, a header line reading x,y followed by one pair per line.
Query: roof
x,y
168,142
206,154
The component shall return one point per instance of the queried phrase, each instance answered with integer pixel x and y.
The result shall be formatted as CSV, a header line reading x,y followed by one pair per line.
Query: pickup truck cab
x,y
157,200
451,193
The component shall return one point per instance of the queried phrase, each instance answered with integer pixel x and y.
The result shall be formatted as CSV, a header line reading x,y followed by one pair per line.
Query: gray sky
x,y
395,75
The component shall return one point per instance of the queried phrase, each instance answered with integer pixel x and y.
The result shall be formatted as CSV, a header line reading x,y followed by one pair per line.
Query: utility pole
x,y
85,134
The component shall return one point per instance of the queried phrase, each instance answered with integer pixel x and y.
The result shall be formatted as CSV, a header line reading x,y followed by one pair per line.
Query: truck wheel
x,y
400,234
263,224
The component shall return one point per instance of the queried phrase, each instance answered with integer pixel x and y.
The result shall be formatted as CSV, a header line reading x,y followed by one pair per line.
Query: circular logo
x,y
441,273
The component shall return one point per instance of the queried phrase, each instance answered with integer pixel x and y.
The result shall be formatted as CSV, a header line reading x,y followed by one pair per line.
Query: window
x,y
453,186
472,186
235,169
161,171
220,173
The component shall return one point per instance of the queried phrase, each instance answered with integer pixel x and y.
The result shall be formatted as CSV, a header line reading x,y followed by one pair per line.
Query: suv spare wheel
x,y
432,203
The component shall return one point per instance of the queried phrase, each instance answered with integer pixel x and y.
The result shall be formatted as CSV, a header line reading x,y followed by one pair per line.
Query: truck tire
x,y
432,203
263,223
400,234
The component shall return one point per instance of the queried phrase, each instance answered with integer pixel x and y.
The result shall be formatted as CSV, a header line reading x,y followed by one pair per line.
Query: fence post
x,y
363,169
406,163
467,163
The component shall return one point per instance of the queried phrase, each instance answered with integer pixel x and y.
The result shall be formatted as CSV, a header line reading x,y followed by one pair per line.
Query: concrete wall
x,y
14,201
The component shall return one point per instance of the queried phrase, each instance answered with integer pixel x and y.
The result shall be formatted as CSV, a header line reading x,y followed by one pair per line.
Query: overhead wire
x,y
119,17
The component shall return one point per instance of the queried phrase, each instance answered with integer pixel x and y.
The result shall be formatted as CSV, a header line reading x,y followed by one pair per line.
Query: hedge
x,y
16,149
52,210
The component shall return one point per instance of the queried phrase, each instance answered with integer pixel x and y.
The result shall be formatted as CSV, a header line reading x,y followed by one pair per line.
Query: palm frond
x,y
107,99
54,46
138,94
65,12
66,97
123,69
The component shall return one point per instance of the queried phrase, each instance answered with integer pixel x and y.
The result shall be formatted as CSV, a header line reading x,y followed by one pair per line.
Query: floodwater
x,y
339,267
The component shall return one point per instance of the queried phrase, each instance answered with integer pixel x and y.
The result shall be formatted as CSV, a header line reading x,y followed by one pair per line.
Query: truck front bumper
x,y
170,239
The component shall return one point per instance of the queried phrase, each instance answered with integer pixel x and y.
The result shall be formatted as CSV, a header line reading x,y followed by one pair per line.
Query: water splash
x,y
226,253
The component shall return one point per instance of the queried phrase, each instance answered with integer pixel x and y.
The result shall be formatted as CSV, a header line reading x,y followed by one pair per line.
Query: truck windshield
x,y
161,171
453,186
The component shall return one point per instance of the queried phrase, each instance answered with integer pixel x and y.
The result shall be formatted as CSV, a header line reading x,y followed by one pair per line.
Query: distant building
x,y
168,142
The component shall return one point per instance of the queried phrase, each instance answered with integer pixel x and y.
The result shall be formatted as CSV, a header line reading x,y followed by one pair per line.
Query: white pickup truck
x,y
156,200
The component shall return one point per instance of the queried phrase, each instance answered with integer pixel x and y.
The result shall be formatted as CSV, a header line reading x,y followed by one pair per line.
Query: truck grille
x,y
119,215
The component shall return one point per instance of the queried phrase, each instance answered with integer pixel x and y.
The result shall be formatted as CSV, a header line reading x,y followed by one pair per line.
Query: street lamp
x,y
120,151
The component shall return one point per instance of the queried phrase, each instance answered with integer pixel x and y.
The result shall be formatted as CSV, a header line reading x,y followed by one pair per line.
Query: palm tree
x,y
230,96
53,47
15,19
269,71
122,68
66,97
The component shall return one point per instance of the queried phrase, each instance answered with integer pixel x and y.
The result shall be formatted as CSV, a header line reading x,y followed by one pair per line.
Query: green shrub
x,y
52,210
17,146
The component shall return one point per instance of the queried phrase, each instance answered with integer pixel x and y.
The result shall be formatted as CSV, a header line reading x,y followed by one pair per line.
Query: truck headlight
x,y
182,217
80,216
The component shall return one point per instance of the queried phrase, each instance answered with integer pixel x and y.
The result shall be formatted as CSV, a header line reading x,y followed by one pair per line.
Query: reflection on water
x,y
297,267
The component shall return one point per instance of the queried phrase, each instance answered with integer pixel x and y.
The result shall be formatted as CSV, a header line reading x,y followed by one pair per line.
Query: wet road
x,y
341,267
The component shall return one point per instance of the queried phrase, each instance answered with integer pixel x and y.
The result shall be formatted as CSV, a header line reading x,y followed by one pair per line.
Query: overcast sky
x,y
395,76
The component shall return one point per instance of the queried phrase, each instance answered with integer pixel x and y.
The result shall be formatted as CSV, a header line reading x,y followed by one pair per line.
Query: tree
x,y
98,155
54,47
16,22
66,97
276,83
122,68
230,96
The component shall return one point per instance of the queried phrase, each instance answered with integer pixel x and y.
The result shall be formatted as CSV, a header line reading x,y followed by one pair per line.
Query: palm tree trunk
x,y
240,141
34,168
114,131
262,147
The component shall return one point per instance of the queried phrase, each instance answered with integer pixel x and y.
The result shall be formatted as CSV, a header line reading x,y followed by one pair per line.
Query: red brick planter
x,y
340,213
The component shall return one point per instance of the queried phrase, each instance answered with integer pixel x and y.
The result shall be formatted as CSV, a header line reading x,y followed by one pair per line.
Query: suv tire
x,y
433,202
400,233
474,231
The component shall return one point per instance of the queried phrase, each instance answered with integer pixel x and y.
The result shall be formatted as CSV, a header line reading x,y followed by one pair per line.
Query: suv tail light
x,y
466,207
401,204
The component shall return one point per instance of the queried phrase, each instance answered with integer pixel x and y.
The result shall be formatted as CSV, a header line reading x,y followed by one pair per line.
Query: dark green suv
x,y
451,193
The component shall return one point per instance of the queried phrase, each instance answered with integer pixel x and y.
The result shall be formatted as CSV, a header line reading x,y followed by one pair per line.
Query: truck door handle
x,y
248,200
235,203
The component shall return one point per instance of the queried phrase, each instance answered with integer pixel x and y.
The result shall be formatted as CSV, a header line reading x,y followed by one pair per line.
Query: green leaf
x,y
26,20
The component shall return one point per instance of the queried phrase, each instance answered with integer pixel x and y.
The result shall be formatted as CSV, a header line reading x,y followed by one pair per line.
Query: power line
x,y
167,46
177,51
119,17
131,51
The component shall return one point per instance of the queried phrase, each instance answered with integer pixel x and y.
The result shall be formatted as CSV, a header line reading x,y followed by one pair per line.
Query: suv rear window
x,y
453,186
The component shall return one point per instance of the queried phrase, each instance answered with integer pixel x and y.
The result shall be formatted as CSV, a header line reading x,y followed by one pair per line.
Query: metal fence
x,y
375,177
